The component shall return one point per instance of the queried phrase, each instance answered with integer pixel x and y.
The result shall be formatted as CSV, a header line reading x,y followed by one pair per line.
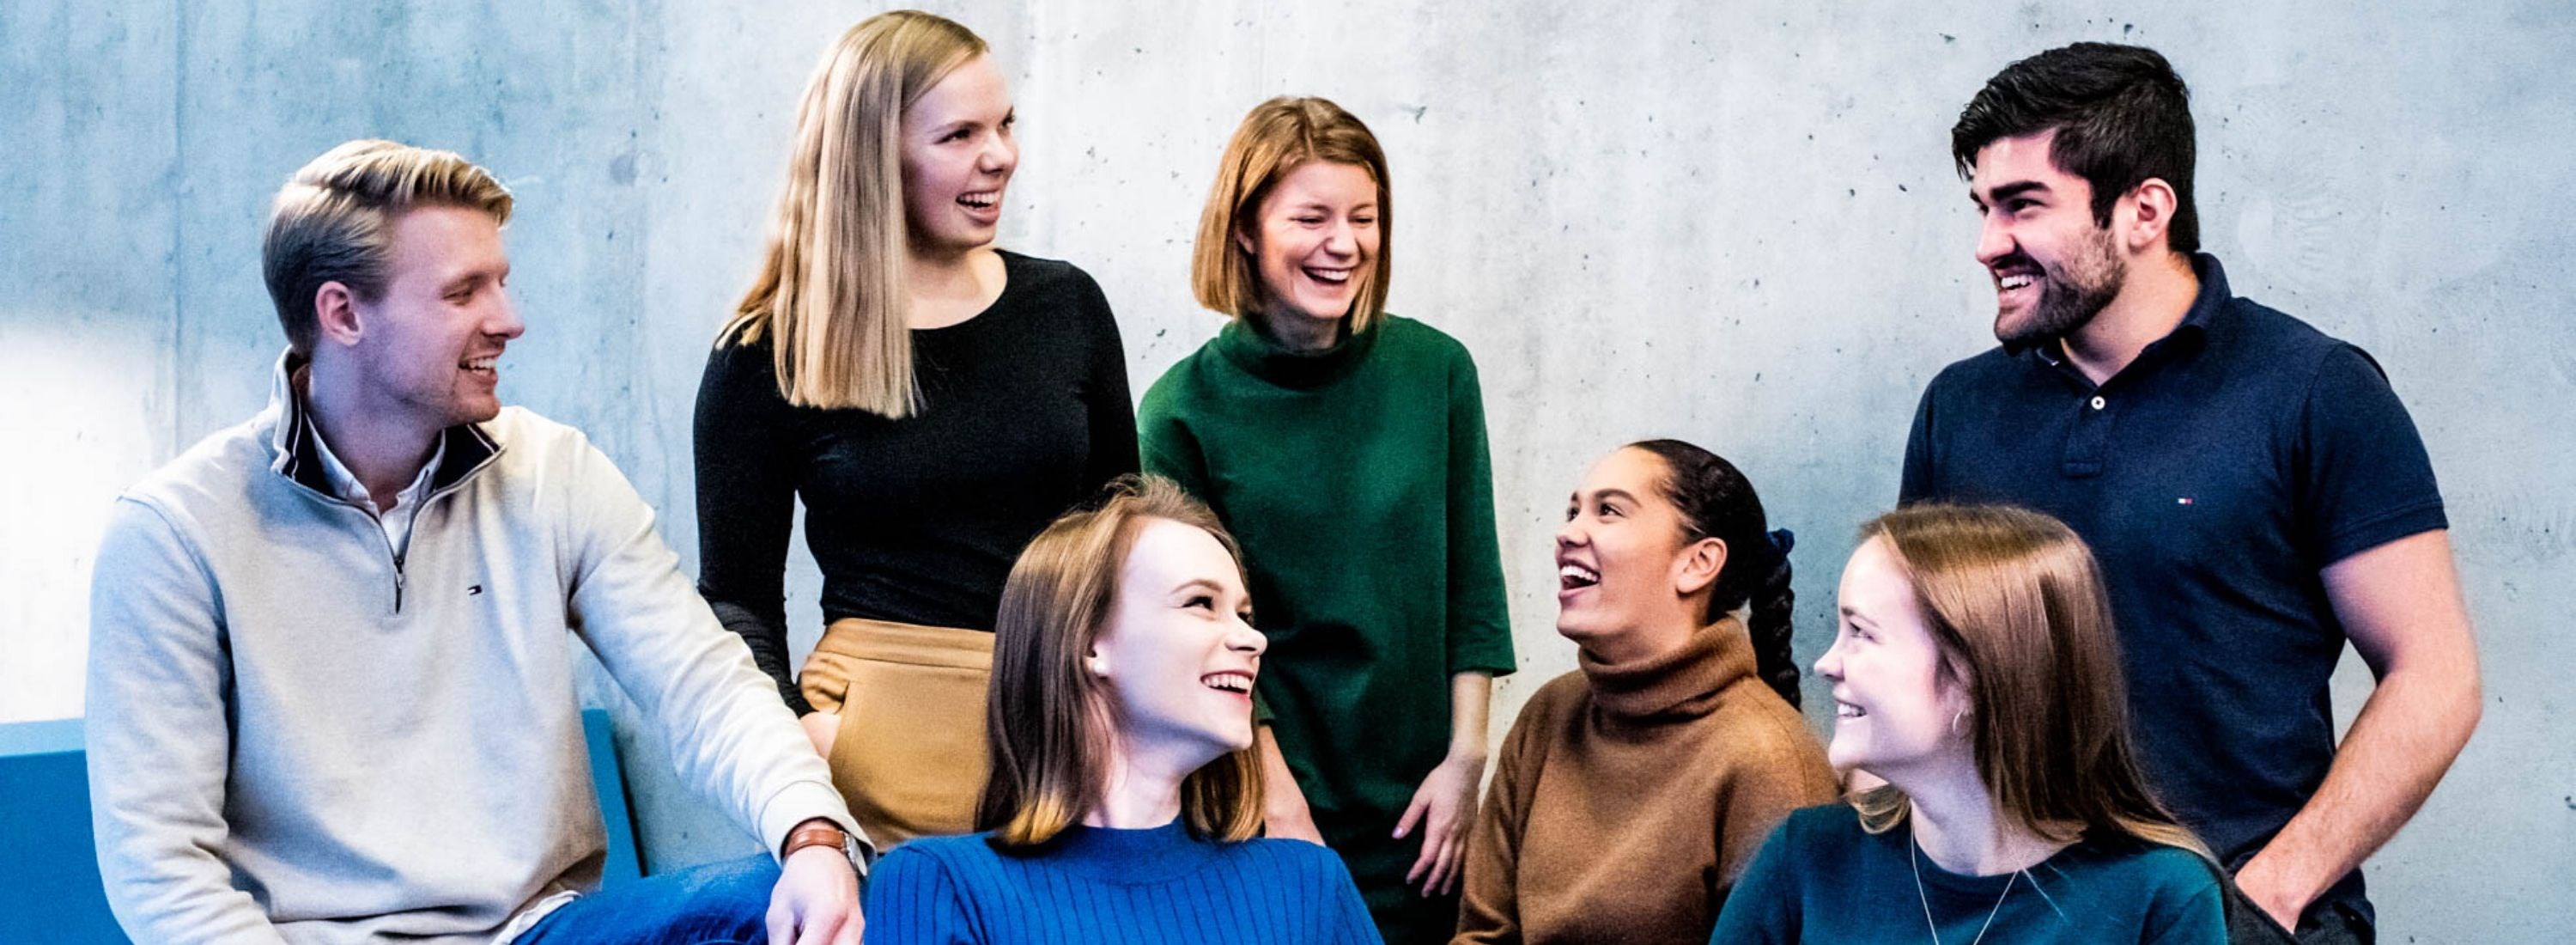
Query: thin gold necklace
x,y
1914,858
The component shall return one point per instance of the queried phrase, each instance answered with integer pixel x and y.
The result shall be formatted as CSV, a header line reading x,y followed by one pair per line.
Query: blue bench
x,y
49,885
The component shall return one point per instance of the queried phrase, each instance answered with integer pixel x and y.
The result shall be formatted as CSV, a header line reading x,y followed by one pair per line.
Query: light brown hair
x,y
1277,137
832,290
333,222
2015,604
1049,721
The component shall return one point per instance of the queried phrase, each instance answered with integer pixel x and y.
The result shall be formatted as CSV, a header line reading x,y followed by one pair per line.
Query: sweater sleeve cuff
x,y
803,801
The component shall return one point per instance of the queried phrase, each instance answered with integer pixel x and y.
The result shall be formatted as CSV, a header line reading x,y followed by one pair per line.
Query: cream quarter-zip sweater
x,y
296,735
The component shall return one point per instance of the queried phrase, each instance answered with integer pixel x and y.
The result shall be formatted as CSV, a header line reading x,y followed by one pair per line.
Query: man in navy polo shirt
x,y
2255,491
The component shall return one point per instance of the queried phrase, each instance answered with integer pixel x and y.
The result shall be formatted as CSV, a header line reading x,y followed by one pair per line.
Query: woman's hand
x,y
1443,806
822,728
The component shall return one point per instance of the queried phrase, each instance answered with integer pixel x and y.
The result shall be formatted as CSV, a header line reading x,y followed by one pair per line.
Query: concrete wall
x,y
1732,223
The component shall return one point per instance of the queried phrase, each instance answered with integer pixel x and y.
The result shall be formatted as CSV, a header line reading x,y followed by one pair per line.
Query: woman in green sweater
x,y
1975,673
1345,448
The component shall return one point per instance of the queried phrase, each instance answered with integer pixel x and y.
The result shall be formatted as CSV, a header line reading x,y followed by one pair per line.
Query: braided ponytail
x,y
1716,501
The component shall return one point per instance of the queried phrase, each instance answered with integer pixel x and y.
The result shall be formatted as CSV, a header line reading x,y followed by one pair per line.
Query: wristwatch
x,y
824,833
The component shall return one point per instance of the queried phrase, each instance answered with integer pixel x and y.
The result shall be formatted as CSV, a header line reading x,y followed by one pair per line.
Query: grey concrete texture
x,y
1732,223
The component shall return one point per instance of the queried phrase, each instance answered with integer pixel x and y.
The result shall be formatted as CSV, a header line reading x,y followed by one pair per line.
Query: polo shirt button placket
x,y
2098,402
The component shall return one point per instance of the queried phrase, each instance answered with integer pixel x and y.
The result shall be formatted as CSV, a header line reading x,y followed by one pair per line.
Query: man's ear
x,y
2150,207
1699,566
335,312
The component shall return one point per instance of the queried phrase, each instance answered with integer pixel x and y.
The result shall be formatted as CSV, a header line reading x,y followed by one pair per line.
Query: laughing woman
x,y
1346,447
1632,791
1125,800
1975,673
934,400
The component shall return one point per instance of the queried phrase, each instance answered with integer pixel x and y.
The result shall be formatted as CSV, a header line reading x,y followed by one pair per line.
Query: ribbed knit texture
x,y
1358,481
1100,885
1629,796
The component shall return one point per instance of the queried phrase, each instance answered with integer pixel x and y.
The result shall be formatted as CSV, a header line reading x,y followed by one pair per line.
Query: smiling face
x,y
958,155
1313,242
1625,567
1894,708
2053,266
428,349
1178,652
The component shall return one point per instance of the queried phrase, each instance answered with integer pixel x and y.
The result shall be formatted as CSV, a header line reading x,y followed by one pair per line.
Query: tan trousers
x,y
910,754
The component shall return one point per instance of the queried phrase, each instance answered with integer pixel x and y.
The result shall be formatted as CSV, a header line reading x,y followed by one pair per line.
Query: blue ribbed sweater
x,y
1100,885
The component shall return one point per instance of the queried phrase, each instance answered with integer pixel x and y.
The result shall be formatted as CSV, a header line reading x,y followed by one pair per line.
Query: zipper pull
x,y
398,590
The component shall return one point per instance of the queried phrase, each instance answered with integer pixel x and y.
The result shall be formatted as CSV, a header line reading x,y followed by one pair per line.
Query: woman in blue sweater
x,y
1125,798
1975,673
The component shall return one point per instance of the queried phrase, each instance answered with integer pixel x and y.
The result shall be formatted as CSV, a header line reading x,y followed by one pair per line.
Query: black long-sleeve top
x,y
1024,414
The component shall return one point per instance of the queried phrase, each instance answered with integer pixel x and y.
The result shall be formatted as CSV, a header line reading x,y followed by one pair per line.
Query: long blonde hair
x,y
2016,607
1277,137
1049,722
832,291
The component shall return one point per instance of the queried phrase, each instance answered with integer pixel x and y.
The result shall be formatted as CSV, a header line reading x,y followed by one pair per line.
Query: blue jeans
x,y
716,904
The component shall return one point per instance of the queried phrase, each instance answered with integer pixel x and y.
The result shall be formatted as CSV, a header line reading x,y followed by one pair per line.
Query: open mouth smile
x,y
1233,681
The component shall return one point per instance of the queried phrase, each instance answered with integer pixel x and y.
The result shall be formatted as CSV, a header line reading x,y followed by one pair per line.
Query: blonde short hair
x,y
1279,136
831,292
333,222
1049,722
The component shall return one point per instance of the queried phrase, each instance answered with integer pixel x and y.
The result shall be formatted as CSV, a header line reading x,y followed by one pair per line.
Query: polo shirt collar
x,y
2199,323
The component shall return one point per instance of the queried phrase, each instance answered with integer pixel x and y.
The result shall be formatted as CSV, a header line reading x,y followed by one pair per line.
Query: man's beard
x,y
2069,294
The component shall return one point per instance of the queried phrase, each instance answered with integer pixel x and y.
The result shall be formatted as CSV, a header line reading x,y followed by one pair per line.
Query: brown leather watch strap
x,y
815,833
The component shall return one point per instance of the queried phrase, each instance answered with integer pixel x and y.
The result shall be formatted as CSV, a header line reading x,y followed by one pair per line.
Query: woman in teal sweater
x,y
1345,447
1975,673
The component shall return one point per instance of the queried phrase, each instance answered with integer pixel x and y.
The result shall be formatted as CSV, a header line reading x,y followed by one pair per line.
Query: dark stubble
x,y
2071,292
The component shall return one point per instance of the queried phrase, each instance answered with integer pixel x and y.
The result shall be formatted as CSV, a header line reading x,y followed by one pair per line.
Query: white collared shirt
x,y
396,520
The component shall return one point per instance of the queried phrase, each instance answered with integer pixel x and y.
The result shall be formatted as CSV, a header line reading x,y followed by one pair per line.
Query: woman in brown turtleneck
x,y
1632,791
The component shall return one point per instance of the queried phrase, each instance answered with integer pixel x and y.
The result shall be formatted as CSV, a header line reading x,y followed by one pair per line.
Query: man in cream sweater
x,y
331,692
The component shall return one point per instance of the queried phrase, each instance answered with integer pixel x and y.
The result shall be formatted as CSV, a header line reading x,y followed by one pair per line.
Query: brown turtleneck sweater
x,y
1628,798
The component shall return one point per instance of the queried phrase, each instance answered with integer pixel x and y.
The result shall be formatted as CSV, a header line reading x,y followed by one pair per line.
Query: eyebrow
x,y
1608,494
2011,190
1199,584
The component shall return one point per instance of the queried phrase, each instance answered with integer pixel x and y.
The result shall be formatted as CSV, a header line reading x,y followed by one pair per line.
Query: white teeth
x,y
1845,710
1228,682
480,364
2013,282
978,200
1579,573
1329,275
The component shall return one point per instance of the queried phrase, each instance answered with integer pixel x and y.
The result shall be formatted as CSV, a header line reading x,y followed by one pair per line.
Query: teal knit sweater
x,y
1821,878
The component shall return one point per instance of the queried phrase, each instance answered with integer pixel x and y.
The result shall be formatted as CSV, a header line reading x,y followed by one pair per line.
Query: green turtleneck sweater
x,y
1629,796
1358,483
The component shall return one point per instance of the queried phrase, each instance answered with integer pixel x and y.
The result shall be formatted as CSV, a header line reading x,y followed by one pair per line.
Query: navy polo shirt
x,y
2215,477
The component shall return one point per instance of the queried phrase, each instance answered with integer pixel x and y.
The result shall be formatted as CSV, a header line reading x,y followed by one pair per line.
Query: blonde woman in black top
x,y
932,399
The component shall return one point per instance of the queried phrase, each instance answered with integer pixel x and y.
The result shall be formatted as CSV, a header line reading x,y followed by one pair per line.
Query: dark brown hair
x,y
2121,115
1716,501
